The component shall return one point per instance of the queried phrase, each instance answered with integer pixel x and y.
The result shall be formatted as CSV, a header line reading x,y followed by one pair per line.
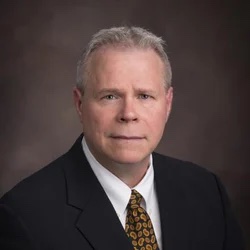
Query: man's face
x,y
125,105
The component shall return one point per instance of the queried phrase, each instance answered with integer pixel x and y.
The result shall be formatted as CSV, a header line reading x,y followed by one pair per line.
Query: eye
x,y
109,97
144,96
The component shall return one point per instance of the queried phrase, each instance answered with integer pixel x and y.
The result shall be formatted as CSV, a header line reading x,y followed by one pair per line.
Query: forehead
x,y
110,58
125,69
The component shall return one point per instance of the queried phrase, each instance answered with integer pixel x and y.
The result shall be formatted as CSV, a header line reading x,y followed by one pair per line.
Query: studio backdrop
x,y
208,48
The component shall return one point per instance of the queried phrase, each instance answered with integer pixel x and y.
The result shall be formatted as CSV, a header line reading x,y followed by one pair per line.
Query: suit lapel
x,y
100,225
98,221
175,212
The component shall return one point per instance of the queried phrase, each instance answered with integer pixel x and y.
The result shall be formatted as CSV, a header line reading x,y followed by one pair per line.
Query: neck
x,y
130,174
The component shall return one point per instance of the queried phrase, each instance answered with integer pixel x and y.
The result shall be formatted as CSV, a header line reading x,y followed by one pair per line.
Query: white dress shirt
x,y
119,193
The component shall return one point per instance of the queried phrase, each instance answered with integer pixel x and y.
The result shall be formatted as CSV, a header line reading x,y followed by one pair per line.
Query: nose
x,y
127,112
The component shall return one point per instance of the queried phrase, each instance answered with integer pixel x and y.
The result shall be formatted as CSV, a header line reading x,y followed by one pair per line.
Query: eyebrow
x,y
120,91
109,90
147,91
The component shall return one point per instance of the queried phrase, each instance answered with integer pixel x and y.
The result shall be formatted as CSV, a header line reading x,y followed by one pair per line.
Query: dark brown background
x,y
208,47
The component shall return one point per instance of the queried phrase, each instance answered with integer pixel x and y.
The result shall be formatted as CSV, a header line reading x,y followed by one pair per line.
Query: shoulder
x,y
40,185
48,179
33,204
198,186
177,166
185,174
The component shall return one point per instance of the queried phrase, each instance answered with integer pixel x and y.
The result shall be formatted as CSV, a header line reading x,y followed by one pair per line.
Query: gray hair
x,y
125,37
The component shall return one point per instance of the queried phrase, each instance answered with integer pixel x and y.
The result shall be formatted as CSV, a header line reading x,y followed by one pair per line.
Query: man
x,y
110,191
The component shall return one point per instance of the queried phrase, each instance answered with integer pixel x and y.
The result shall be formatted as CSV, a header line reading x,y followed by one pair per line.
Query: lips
x,y
125,137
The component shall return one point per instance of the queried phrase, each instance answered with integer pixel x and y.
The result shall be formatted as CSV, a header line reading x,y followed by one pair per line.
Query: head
x,y
123,95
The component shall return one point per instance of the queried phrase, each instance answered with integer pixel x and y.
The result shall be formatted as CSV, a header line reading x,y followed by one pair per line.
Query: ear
x,y
77,94
169,100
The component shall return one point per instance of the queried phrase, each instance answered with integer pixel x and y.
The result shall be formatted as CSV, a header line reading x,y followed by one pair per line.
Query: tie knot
x,y
135,199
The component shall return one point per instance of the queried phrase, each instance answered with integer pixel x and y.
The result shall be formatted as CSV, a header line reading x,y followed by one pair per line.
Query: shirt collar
x,y
120,195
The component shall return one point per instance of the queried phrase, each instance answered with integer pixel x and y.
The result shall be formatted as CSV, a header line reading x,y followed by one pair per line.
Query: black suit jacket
x,y
63,206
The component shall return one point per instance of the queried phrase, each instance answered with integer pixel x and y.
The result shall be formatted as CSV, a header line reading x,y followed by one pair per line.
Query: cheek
x,y
157,124
96,120
156,121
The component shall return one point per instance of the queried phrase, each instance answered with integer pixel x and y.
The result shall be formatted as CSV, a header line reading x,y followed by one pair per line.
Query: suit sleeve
x,y
233,234
13,234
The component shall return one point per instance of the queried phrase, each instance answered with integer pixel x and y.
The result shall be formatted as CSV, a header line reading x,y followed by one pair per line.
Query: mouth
x,y
124,137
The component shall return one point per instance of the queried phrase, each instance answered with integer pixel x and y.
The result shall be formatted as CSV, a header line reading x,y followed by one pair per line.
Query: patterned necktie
x,y
139,227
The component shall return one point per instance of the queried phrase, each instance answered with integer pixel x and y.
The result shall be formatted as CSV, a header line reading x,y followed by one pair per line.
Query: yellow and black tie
x,y
139,227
